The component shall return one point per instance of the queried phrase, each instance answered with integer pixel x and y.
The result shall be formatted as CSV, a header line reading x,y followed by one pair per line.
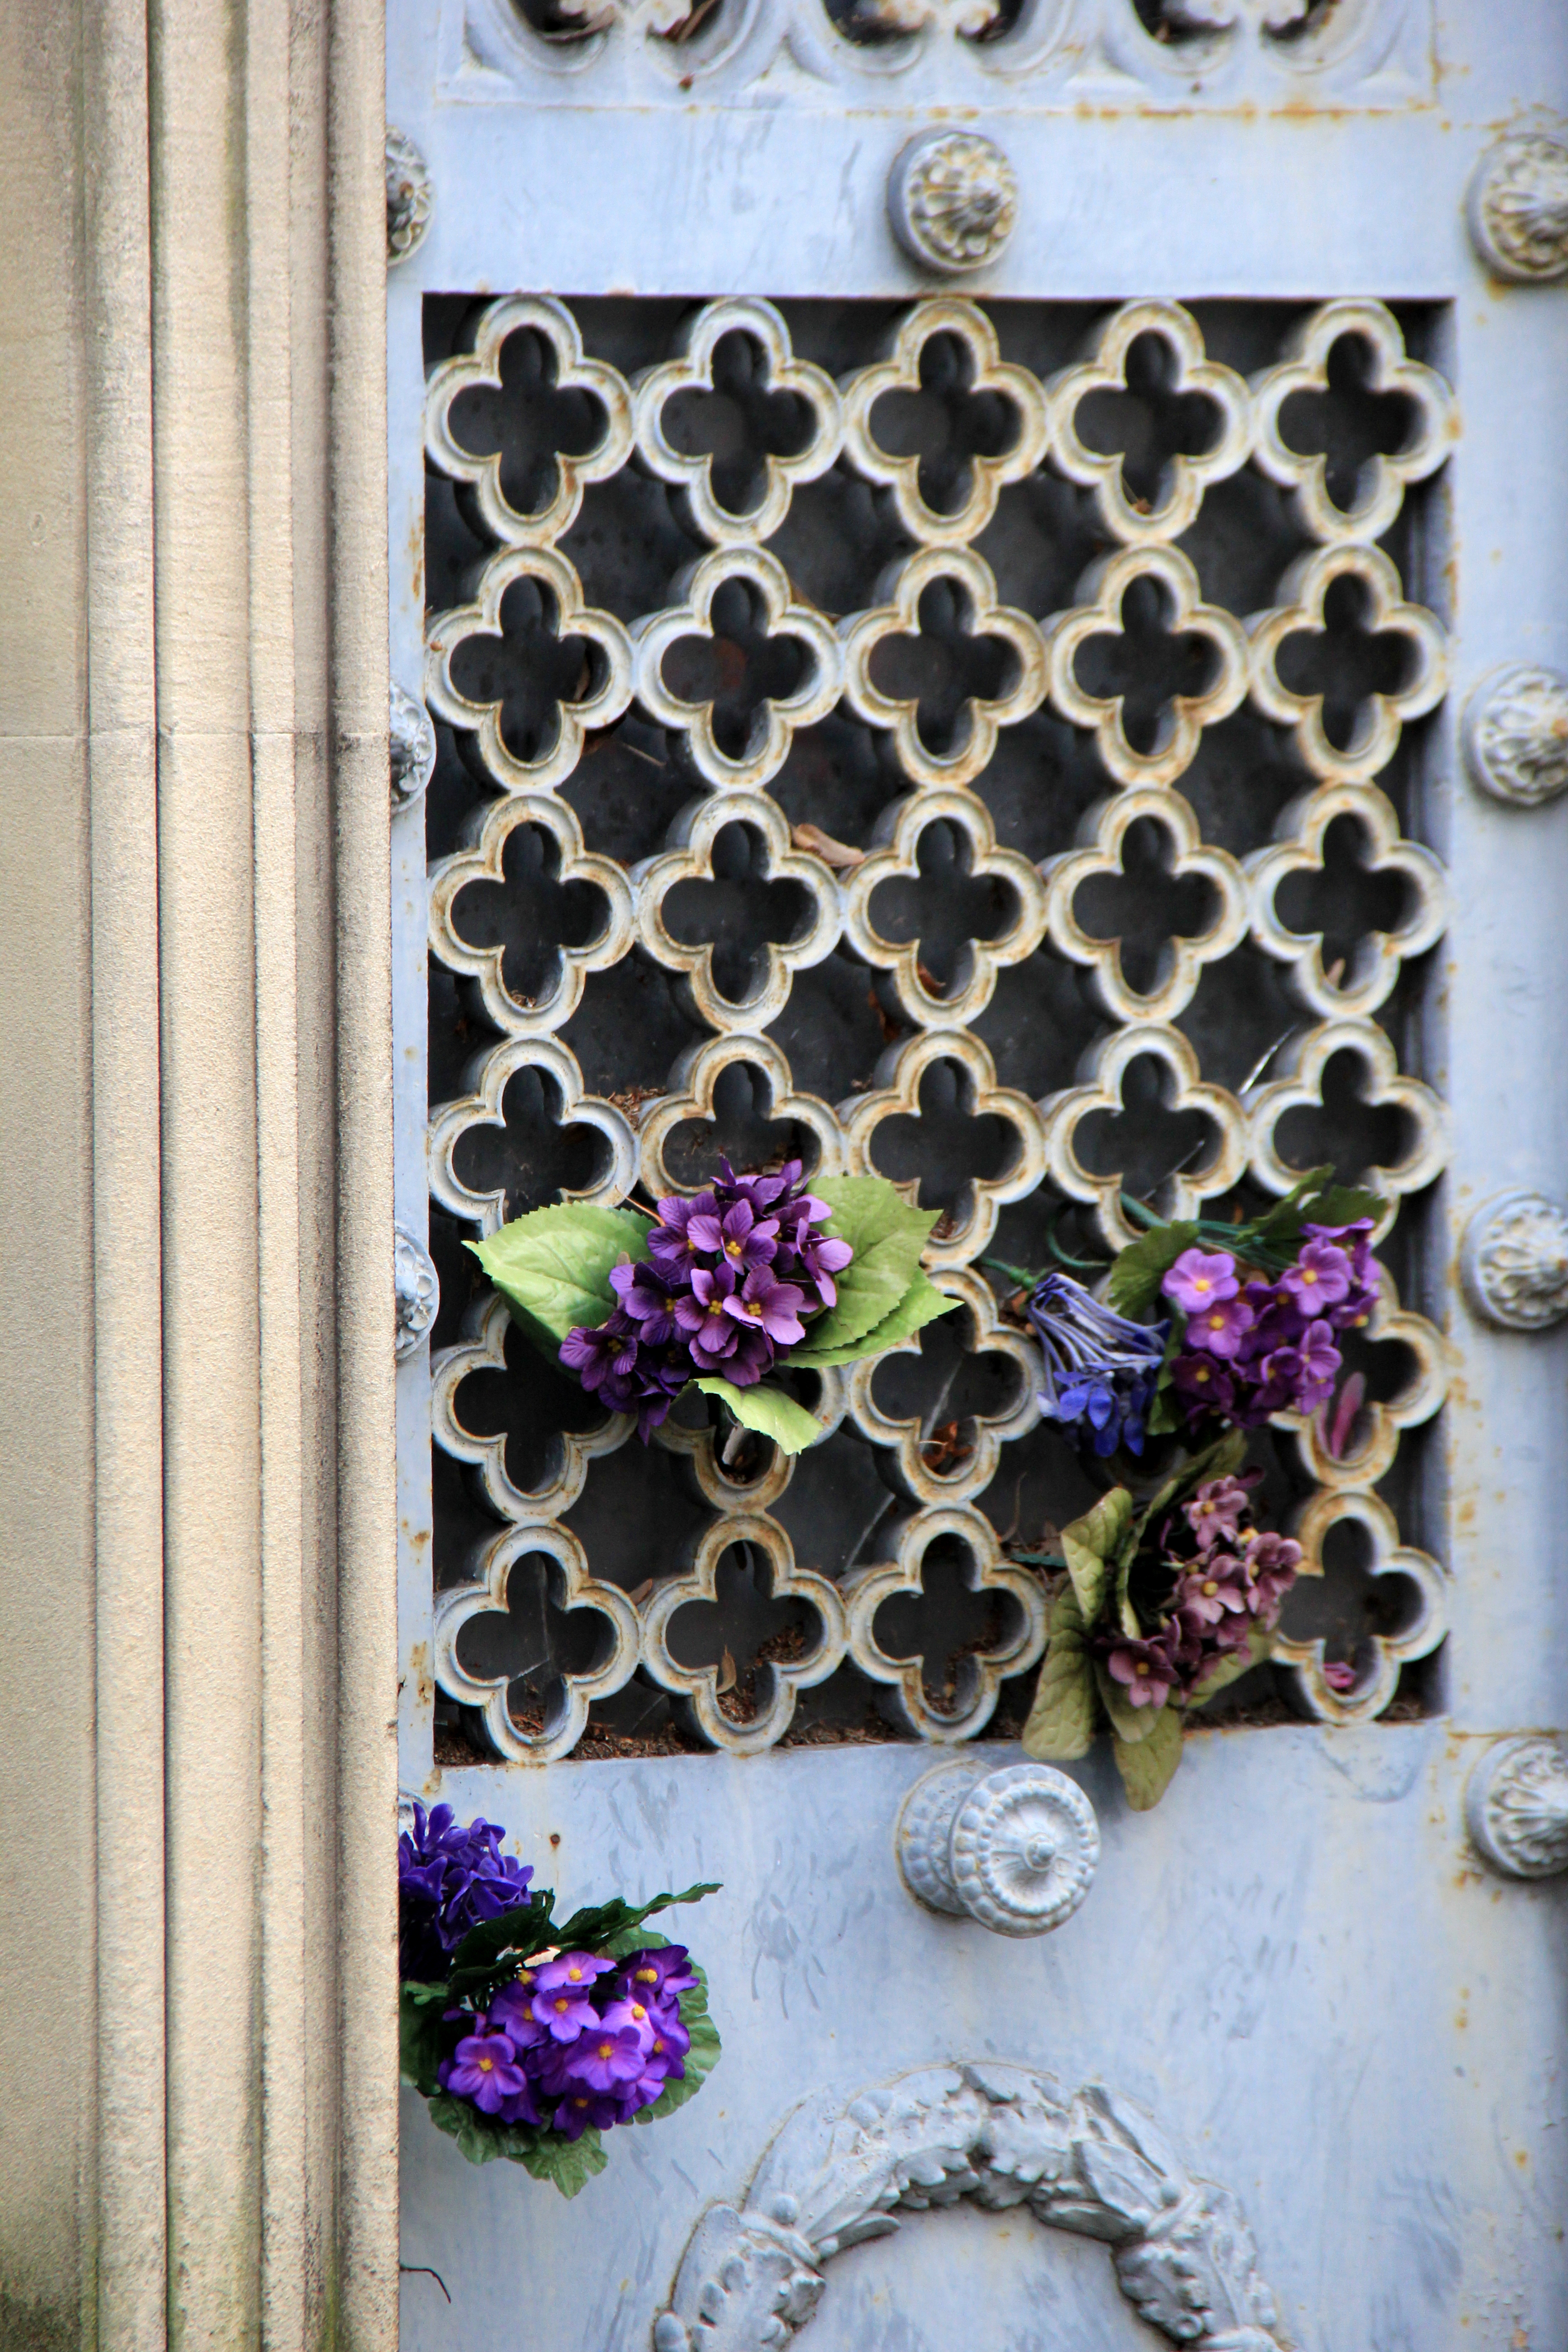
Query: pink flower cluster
x,y
1220,1576
1252,1348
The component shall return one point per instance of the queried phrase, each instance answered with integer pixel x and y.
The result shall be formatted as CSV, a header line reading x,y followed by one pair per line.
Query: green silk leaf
x,y
553,1265
1091,1543
1148,1766
769,1411
1132,1725
922,1302
887,1236
1062,1718
569,2164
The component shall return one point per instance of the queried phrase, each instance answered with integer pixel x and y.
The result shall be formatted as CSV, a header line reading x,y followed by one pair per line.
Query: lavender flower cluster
x,y
1211,1578
1252,1348
722,1292
576,2041
448,1880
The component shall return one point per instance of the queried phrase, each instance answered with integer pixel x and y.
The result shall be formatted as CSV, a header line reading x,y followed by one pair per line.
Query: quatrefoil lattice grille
x,y
974,744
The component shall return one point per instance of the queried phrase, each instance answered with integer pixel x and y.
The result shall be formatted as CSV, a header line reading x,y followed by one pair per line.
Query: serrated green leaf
x,y
420,2046
603,1926
1136,1275
1148,1766
922,1302
479,2140
1062,1718
1129,1723
769,1411
553,1265
887,1236
1090,1545
569,2164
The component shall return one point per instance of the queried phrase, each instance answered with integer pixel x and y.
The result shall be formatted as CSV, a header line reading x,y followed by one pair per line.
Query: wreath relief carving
x,y
1183,2254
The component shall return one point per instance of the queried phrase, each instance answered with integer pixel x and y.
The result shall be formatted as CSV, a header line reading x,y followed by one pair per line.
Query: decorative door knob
x,y
1015,1849
1516,1807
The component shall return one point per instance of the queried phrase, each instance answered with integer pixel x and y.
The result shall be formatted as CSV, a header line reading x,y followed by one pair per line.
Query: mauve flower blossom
x,y
483,2068
1220,1329
1215,1588
1206,1382
1145,1669
1215,1509
1272,1562
1320,1276
1320,1361
1200,1278
1340,1678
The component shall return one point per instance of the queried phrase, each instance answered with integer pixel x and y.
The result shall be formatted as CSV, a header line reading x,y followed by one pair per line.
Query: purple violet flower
x,y
766,1304
1321,1277
1205,1382
662,1973
1216,1510
482,2069
739,1237
585,2111
450,1879
1201,1278
643,1294
1220,1328
599,2060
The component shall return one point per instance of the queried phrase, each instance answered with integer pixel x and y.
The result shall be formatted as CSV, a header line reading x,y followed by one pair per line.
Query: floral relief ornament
x,y
952,199
1514,1262
1516,734
1518,207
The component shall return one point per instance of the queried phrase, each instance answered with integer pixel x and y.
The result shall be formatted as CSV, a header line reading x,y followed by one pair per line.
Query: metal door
x,y
980,592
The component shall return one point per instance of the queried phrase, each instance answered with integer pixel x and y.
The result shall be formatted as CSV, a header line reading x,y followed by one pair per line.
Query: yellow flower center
x,y
638,2011
658,2048
579,2102
575,1975
561,2007
1210,1588
1307,1273
603,2049
485,2064
648,1976
1201,1374
1201,1282
1142,1667
1216,1322
754,1310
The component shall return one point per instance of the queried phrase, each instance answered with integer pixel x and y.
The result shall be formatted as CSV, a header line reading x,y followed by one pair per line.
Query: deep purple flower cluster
x,y
728,1279
1212,1576
448,1879
1101,1369
576,2041
1253,1347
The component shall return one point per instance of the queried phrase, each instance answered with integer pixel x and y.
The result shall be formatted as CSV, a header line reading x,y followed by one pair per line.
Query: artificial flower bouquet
x,y
721,1293
528,2040
1167,1603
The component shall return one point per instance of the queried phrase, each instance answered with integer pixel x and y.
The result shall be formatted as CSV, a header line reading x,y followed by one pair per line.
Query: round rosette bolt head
x,y
1015,1849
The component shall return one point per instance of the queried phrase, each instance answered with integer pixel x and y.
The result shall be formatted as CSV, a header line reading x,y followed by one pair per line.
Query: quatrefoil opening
x,y
964,1706
946,1078
1108,833
740,600
1135,599
1415,1628
1365,977
1345,357
522,380
1180,1190
1347,732
705,479
1368,1447
944,382
776,1681
481,1355
561,669
524,887
932,1473
1304,1085
1150,354
710,859
944,599
773,1122
944,838
546,1060
556,1695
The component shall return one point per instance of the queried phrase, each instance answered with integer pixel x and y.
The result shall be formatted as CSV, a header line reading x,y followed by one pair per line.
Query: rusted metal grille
x,y
978,745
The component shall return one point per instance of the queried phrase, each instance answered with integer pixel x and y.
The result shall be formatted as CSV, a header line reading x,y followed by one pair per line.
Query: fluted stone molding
x,y
1516,1808
1015,1849
1516,734
952,198
1514,1262
211,388
1518,208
